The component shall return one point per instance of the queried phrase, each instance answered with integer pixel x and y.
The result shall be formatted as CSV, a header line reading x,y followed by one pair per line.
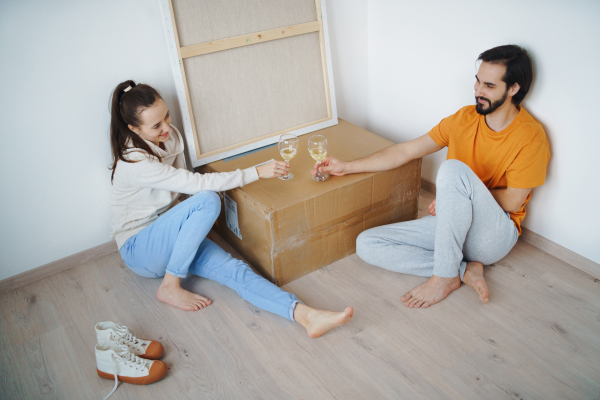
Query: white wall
x,y
399,68
421,69
348,34
59,62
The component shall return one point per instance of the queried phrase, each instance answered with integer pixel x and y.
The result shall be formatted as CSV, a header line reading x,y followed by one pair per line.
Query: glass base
x,y
320,177
287,178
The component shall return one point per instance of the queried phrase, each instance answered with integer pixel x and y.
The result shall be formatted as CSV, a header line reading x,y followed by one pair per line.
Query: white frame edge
x,y
334,115
183,104
178,78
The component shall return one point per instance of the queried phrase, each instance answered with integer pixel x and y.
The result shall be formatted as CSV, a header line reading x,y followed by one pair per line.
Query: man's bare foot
x,y
474,278
171,292
433,291
318,322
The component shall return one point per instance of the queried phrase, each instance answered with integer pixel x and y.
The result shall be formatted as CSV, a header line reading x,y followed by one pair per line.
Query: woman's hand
x,y
432,208
273,169
332,166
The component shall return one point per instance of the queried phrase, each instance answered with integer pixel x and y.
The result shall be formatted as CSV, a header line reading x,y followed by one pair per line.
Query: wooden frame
x,y
178,54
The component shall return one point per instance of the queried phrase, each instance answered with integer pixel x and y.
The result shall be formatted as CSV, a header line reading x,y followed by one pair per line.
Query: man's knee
x,y
450,170
364,243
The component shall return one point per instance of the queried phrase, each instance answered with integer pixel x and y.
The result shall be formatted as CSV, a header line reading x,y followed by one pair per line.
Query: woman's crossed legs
x,y
176,244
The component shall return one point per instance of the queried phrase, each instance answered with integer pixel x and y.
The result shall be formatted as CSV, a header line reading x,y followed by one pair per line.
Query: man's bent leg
x,y
405,247
471,224
466,212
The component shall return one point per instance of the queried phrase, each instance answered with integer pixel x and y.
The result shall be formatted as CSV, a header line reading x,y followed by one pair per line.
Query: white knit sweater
x,y
145,189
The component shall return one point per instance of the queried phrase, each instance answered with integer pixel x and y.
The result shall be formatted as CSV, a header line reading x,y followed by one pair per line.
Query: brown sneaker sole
x,y
157,371
154,351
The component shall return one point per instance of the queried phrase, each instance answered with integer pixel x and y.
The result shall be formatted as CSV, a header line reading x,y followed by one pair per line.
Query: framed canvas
x,y
248,71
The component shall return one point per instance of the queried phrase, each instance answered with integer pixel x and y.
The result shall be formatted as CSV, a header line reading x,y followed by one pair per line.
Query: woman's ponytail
x,y
127,102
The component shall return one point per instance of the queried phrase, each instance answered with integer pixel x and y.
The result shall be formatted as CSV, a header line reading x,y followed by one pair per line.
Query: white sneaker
x,y
119,333
116,361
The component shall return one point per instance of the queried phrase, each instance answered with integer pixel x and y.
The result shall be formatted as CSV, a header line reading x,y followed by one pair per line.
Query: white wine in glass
x,y
317,148
288,147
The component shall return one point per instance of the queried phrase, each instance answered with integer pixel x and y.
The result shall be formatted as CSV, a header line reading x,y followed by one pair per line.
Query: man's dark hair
x,y
518,65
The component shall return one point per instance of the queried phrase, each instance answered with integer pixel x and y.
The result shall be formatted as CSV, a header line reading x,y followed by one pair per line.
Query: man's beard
x,y
493,106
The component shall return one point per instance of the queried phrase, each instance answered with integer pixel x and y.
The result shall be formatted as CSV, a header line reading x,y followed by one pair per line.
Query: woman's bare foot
x,y
318,322
474,278
433,291
171,292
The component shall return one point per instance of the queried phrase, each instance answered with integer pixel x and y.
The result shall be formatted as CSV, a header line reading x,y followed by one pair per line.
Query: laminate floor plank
x,y
538,338
10,375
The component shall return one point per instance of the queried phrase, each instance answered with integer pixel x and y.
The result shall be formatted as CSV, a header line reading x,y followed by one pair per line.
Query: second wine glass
x,y
288,147
317,147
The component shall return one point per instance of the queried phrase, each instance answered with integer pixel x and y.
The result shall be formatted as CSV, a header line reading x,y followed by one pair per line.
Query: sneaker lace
x,y
134,361
128,358
127,338
112,362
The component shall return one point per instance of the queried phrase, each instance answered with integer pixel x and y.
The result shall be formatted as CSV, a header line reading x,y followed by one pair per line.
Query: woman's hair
x,y
127,103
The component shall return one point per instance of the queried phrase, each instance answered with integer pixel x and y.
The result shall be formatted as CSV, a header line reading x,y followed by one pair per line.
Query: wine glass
x,y
288,146
317,147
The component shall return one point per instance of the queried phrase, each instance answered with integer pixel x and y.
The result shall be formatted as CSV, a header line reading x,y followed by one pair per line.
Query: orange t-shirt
x,y
515,157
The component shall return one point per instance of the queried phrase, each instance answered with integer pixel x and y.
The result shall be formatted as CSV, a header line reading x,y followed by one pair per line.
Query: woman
x,y
158,236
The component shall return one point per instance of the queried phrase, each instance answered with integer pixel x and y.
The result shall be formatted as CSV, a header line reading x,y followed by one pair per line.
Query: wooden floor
x,y
538,338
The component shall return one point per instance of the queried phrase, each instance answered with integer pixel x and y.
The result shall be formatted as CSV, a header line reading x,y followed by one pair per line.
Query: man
x,y
497,152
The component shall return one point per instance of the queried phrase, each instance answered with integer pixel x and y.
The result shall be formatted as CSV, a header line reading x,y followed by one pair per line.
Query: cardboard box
x,y
287,229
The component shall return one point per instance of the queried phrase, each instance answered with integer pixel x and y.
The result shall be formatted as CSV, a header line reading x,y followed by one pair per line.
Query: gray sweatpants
x,y
469,226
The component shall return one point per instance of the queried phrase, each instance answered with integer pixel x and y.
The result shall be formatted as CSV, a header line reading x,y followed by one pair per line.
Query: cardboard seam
x,y
303,239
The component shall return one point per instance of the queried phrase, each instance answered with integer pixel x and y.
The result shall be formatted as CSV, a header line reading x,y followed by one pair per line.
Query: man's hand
x,y
332,166
432,208
273,169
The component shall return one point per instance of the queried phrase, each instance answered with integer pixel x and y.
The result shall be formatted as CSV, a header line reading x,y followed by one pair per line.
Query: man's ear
x,y
514,89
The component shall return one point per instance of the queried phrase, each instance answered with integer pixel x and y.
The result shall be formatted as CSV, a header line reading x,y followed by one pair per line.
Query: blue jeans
x,y
176,243
469,226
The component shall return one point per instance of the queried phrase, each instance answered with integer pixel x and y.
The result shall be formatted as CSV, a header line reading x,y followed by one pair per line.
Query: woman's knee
x,y
208,199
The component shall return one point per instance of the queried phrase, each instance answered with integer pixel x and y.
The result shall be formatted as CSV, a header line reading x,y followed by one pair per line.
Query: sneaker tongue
x,y
121,330
122,352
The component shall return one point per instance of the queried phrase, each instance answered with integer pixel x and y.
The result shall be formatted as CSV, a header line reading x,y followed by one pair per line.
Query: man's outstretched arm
x,y
383,160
